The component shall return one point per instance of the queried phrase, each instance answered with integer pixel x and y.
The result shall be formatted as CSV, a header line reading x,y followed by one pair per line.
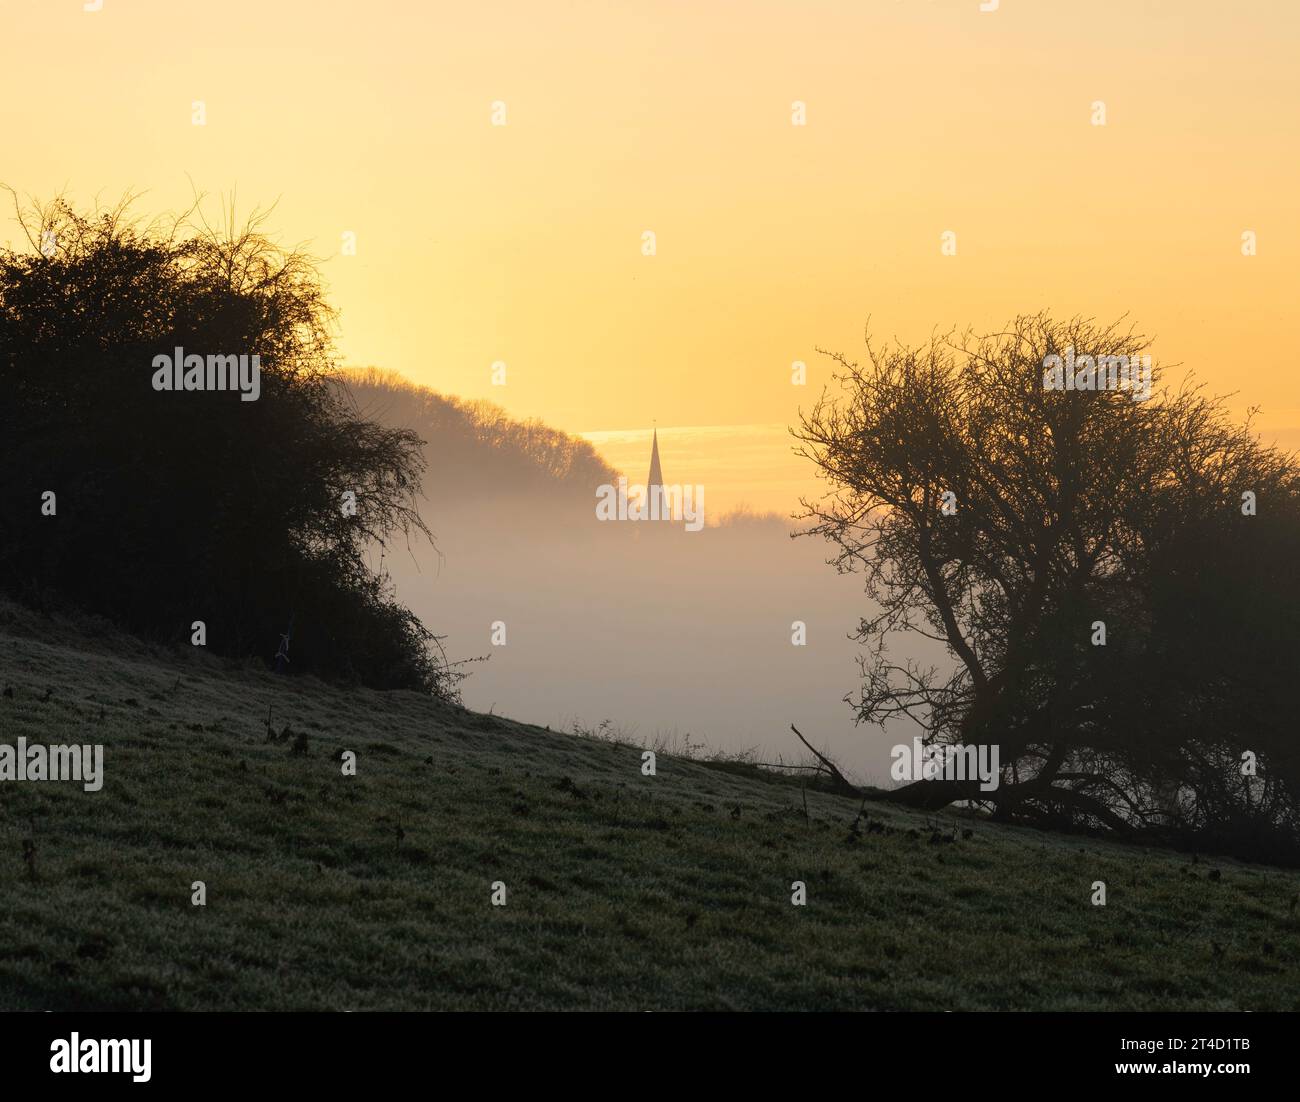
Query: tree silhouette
x,y
1069,509
174,507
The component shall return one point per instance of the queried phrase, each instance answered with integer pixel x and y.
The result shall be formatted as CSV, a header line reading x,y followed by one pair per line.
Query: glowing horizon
x,y
478,244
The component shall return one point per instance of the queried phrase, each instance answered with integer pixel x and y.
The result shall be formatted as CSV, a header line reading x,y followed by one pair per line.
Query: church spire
x,y
656,477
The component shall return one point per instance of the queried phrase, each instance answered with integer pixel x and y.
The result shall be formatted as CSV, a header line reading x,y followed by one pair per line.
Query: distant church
x,y
682,505
657,501
655,480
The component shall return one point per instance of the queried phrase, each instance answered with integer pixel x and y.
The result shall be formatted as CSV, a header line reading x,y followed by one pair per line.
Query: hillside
x,y
475,448
624,892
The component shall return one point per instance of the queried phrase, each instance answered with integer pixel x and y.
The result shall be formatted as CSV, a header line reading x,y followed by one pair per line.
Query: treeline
x,y
475,450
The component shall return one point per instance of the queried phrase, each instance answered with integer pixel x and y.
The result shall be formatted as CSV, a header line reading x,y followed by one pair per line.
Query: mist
x,y
650,632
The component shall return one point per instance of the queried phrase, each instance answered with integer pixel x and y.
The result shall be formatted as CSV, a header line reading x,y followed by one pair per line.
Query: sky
x,y
524,244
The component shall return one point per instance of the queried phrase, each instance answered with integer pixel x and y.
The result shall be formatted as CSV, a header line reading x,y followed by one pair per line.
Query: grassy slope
x,y
630,892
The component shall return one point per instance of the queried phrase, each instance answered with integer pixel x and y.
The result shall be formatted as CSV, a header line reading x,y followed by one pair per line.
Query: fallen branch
x,y
840,781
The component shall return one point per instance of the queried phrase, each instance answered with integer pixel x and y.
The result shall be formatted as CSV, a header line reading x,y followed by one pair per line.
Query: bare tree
x,y
1006,517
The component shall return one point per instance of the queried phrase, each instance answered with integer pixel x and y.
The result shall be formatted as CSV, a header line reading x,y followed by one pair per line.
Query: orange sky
x,y
523,243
